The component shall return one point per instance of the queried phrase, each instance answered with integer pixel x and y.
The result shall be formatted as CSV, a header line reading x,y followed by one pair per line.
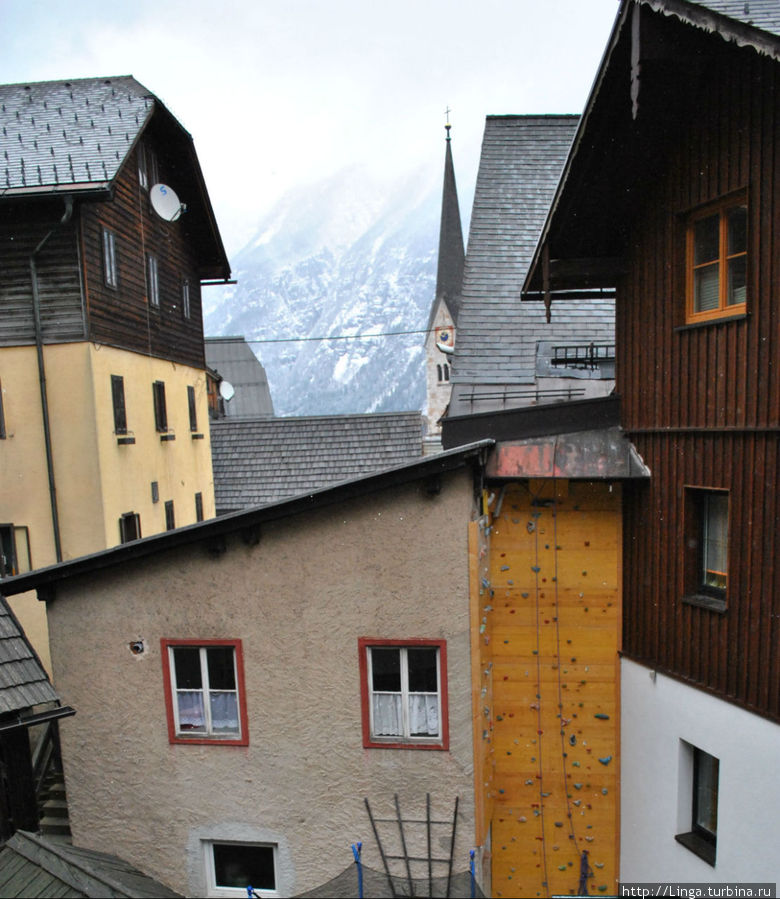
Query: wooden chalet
x,y
670,195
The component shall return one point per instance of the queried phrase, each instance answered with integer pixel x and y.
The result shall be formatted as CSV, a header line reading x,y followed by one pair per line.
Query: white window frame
x,y
110,272
208,733
406,736
211,874
153,280
185,298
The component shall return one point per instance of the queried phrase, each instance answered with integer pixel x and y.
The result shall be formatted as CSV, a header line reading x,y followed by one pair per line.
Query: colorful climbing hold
x,y
606,760
602,716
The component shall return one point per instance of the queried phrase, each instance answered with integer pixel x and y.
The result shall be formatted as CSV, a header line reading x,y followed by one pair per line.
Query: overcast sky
x,y
279,93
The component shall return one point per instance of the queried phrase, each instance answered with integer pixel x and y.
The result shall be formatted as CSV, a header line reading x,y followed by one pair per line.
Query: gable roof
x,y
620,130
233,359
23,681
74,137
264,460
31,865
521,162
67,136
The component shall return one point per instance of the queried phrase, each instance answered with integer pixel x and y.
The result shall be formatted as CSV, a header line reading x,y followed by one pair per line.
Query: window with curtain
x,y
204,691
403,695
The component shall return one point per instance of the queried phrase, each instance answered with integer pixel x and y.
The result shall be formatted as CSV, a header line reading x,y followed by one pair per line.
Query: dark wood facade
x,y
702,403
76,303
124,316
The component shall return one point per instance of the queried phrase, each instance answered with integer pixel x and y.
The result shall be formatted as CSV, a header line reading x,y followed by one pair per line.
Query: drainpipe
x,y
55,520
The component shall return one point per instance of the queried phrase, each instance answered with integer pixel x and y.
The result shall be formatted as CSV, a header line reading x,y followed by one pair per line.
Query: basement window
x,y
232,868
204,691
404,693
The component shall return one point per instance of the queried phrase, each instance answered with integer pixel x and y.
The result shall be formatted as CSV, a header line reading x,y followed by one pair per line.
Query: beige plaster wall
x,y
96,480
391,565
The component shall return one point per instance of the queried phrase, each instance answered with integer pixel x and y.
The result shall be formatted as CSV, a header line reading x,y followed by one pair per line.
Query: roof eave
x,y
540,281
216,529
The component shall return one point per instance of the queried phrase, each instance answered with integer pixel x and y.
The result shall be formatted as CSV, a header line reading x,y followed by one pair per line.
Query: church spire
x,y
449,276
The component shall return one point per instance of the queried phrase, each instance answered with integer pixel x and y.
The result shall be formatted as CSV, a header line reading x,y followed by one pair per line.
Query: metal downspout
x,y
55,519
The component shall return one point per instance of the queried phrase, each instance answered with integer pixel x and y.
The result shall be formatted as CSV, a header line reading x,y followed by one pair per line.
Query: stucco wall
x,y
658,713
391,565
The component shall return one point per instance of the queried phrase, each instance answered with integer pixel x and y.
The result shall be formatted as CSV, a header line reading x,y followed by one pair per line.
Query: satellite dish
x,y
165,202
226,390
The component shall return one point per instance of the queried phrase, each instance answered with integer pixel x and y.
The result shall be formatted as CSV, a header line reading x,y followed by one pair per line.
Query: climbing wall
x,y
550,638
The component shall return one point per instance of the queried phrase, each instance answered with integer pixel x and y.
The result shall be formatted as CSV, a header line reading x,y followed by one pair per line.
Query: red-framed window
x,y
205,699
403,692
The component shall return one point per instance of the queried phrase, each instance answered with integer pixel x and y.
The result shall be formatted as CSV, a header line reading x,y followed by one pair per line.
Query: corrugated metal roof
x,y
31,865
265,460
23,680
68,135
521,162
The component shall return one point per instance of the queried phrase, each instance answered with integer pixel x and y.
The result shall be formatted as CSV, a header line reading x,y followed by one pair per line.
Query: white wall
x,y
657,714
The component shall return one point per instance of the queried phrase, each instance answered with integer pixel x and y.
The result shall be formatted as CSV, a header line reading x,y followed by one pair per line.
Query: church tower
x,y
443,319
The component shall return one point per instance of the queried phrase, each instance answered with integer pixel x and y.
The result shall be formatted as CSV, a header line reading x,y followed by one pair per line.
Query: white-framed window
x,y
404,694
110,272
152,281
204,691
185,297
232,867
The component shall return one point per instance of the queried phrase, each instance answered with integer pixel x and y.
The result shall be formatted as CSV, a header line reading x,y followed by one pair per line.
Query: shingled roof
x,y
23,681
31,865
263,460
521,162
74,137
69,135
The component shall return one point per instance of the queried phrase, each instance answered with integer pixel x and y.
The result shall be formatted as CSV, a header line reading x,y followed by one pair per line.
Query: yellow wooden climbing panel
x,y
549,596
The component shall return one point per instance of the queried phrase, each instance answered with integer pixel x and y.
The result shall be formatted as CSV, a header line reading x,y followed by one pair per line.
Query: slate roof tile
x,y
521,162
264,460
57,134
23,681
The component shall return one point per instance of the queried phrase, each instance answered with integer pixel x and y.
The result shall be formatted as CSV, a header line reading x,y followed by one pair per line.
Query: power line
x,y
341,336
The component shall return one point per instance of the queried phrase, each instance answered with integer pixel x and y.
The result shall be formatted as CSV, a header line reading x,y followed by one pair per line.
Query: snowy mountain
x,y
350,256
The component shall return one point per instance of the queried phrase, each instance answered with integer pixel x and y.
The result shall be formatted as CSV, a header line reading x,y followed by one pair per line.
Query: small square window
x,y
699,781
707,546
14,550
110,273
717,243
170,516
204,691
129,527
404,695
232,868
152,281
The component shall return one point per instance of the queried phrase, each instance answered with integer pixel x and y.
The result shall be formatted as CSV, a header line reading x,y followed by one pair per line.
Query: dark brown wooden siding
x,y
702,404
22,228
123,316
